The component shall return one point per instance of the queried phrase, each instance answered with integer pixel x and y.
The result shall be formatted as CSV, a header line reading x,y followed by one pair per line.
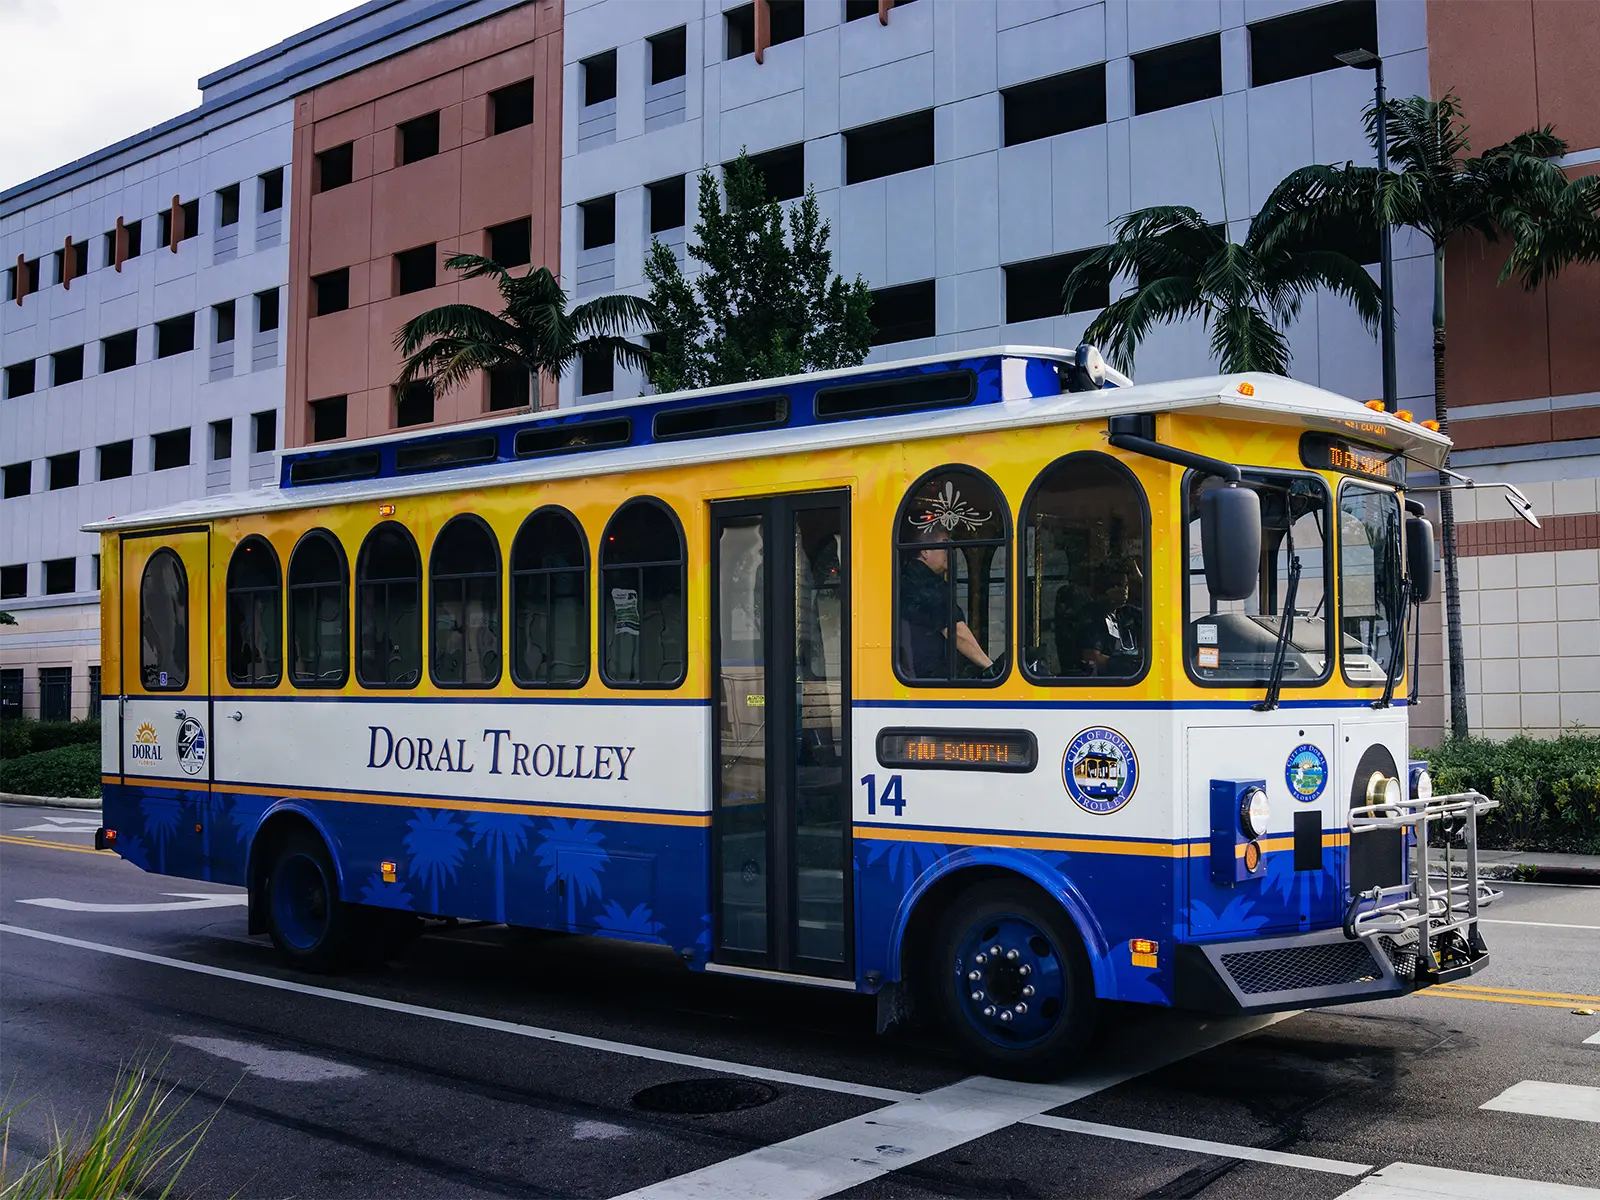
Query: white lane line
x,y
1282,1158
1592,1041
189,900
853,1152
1568,1101
1534,924
62,825
561,1037
1407,1181
286,1066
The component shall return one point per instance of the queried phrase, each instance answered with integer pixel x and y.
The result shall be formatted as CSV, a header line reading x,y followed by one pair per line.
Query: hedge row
x,y
1549,789
65,771
21,737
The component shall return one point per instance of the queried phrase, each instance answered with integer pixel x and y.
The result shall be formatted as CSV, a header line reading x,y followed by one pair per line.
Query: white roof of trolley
x,y
1255,398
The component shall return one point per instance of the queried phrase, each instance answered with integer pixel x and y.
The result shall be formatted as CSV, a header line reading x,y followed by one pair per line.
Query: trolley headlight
x,y
1383,789
1254,813
1421,784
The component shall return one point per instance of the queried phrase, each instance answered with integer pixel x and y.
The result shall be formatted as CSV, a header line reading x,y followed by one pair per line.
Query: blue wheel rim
x,y
1010,981
301,905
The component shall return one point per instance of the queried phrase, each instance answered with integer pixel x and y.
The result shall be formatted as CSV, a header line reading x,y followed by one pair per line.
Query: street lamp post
x,y
1366,60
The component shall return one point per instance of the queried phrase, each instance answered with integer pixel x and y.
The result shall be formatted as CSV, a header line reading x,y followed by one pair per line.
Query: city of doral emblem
x,y
1100,770
1306,772
146,745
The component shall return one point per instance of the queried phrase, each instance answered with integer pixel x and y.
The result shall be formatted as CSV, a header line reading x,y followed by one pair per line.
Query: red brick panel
x,y
1578,531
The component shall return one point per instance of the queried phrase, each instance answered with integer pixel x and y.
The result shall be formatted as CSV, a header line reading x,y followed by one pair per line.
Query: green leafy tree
x,y
1247,293
766,304
1514,193
534,331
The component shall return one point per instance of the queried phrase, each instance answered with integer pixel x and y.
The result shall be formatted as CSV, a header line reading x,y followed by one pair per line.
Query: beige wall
x,y
53,636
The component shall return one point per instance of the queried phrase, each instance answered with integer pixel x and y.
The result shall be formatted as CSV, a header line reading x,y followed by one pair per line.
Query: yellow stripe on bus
x,y
1029,841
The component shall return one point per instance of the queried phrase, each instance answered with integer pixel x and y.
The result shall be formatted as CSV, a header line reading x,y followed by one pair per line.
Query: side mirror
x,y
1420,560
1230,541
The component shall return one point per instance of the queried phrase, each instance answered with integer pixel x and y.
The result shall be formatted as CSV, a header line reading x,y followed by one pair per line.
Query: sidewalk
x,y
52,801
1507,864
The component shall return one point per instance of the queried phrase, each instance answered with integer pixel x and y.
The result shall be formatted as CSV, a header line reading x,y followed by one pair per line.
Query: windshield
x,y
1370,601
1234,641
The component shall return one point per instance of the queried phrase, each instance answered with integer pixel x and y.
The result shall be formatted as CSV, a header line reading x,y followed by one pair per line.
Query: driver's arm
x,y
969,648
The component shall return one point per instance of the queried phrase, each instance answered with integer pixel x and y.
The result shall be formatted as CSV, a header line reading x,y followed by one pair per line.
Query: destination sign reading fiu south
x,y
500,752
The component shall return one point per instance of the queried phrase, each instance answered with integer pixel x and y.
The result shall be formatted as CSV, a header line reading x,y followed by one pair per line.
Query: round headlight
x,y
1384,790
1421,785
1254,812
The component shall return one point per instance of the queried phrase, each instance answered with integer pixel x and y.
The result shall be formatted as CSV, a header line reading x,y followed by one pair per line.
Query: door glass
x,y
819,791
742,705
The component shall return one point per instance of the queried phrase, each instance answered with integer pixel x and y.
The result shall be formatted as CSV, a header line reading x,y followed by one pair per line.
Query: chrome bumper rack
x,y
1433,908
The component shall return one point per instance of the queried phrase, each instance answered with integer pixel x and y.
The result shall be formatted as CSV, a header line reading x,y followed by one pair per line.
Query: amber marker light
x,y
1143,951
1375,405
1247,389
1404,414
1252,856
1430,423
386,510
387,870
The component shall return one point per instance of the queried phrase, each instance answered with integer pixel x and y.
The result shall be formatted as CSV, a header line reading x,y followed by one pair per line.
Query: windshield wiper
x,y
1397,646
1280,652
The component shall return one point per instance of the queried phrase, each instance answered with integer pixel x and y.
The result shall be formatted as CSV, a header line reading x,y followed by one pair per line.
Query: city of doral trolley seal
x,y
1306,772
1100,770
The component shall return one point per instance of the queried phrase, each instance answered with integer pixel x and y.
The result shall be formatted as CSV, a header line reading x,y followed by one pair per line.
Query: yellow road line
x,y
1478,987
26,841
1441,993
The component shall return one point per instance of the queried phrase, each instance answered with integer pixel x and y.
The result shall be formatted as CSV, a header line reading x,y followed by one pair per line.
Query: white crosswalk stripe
x,y
1407,1181
1569,1101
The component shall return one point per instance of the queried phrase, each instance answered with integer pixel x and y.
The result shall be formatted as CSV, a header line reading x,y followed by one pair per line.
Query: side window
x,y
389,609
464,579
1085,574
164,623
550,601
952,584
643,626
318,612
255,615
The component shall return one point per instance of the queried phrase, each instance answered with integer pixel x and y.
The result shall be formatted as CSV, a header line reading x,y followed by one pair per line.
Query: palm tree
x,y
570,852
435,845
534,331
503,835
1246,292
1516,191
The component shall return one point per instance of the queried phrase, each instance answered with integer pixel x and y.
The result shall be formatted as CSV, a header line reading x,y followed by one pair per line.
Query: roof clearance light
x,y
1375,405
1430,423
1404,414
1247,389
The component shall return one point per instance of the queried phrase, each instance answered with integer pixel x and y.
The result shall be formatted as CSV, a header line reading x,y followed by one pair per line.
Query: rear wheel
x,y
309,924
1011,981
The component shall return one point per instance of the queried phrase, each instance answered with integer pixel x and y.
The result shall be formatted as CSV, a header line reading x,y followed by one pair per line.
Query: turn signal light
x,y
1430,423
1375,405
1252,856
111,835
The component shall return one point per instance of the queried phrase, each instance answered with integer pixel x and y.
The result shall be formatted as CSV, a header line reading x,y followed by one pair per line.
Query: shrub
x,y
1549,789
65,771
29,737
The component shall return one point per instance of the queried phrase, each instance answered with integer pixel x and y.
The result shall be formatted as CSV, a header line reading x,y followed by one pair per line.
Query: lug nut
x,y
1025,969
1028,990
1005,1016
994,950
1021,1009
1013,955
980,958
974,976
976,996
989,1011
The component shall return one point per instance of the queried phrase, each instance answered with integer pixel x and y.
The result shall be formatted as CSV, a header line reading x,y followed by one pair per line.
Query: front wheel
x,y
1012,981
309,924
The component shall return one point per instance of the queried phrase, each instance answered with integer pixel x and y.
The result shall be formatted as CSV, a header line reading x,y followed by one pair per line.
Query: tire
x,y
1041,977
311,927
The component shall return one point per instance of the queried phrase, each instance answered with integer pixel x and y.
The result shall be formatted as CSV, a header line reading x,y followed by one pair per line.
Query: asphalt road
x,y
497,1064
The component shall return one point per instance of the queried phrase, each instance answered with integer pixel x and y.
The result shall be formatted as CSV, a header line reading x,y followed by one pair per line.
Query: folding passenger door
x,y
165,698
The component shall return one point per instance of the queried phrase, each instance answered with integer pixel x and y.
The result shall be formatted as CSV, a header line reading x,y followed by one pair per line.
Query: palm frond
x,y
452,320
613,314
1123,324
1244,339
475,266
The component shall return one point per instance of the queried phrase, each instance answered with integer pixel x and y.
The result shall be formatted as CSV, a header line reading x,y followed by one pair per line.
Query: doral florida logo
x,y
1306,772
146,745
191,746
1100,770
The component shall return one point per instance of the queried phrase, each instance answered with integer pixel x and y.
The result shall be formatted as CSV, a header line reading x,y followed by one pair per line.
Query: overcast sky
x,y
76,75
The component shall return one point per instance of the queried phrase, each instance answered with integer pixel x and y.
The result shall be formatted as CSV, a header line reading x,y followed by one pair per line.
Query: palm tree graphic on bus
x,y
161,815
503,835
436,846
570,852
637,925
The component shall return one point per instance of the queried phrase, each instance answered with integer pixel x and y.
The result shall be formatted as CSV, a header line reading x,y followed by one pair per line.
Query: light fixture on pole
x,y
1366,60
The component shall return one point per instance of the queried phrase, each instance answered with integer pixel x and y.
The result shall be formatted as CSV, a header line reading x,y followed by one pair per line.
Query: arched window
x,y
550,601
952,582
464,575
389,608
1086,570
319,644
255,615
164,623
642,620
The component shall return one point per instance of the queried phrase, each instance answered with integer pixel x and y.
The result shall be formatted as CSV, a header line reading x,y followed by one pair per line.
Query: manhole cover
x,y
697,1097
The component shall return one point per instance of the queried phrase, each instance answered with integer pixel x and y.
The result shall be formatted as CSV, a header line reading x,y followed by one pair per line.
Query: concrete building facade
x,y
449,147
142,333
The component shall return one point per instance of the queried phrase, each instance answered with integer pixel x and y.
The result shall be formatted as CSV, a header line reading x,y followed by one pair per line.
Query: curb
x,y
84,802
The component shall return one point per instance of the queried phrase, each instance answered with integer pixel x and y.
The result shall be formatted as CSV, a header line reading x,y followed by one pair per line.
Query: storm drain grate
x,y
700,1097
